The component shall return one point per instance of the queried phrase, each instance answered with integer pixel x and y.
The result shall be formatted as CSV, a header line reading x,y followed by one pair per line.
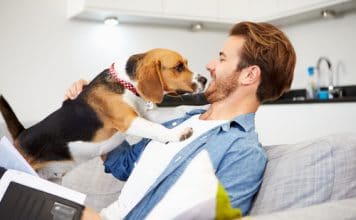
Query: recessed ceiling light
x,y
112,21
197,27
328,13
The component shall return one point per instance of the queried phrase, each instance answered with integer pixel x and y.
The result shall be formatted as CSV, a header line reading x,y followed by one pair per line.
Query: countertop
x,y
312,101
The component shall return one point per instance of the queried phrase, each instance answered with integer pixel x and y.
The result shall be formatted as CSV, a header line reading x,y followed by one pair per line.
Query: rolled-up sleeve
x,y
121,161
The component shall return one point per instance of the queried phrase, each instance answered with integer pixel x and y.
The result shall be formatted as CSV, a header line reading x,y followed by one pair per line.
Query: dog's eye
x,y
180,67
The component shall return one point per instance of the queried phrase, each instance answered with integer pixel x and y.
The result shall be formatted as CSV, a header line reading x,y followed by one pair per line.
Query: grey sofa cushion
x,y
89,178
344,154
308,173
334,210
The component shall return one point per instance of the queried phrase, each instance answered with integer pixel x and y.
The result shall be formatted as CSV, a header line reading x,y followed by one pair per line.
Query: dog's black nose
x,y
202,80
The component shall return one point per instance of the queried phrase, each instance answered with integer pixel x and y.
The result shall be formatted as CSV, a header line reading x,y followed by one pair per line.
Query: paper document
x,y
10,158
18,170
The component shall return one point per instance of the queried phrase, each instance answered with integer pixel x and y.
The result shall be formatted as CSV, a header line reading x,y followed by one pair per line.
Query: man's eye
x,y
221,60
180,68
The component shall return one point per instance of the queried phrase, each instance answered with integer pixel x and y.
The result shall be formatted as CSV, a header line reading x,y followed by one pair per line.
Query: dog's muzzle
x,y
197,86
199,83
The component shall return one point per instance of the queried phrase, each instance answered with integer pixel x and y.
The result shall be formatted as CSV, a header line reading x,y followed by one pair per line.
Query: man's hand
x,y
75,89
103,157
90,214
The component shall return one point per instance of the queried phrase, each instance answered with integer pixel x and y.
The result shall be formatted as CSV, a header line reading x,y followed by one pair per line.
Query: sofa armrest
x,y
341,210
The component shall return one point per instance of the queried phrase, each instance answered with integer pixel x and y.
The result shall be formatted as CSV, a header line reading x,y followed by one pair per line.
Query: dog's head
x,y
162,71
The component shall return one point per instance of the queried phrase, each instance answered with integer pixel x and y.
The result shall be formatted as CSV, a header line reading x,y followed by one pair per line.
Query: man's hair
x,y
269,48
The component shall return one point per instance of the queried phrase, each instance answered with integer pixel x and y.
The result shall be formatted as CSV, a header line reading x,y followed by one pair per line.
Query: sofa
x,y
314,179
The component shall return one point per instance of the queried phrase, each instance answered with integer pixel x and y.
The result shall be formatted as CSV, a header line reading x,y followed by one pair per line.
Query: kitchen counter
x,y
299,96
296,96
311,101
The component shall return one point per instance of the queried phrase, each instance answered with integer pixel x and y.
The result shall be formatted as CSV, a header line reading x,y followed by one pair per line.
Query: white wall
x,y
42,52
334,38
281,124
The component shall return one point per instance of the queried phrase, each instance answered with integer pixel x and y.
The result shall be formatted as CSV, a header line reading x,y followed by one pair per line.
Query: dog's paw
x,y
186,134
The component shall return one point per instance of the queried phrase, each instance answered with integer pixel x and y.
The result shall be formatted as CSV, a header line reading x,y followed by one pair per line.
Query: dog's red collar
x,y
124,83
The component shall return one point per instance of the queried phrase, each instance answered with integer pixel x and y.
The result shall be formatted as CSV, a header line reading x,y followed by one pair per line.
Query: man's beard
x,y
222,88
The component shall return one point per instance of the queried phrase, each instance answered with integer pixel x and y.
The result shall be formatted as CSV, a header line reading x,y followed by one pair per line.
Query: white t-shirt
x,y
153,161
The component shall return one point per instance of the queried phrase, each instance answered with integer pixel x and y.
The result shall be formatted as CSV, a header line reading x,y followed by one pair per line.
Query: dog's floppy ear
x,y
131,65
150,84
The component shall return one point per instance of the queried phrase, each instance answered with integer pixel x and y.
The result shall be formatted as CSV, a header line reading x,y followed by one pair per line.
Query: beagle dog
x,y
107,110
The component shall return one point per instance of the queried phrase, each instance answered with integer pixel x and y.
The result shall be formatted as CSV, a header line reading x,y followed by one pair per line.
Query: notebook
x,y
21,202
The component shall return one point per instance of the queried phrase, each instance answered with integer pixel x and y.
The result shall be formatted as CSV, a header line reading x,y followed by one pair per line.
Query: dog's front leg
x,y
145,128
82,151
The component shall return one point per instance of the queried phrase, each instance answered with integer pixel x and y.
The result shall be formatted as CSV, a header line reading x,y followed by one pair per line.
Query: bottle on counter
x,y
311,87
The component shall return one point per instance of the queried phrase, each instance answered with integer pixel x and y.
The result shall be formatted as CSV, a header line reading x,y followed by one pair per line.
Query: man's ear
x,y
150,84
250,75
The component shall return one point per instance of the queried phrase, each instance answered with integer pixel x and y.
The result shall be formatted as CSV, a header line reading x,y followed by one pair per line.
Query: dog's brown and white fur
x,y
103,114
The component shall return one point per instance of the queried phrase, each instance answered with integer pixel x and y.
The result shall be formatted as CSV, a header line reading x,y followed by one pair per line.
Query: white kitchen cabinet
x,y
297,6
212,13
125,5
98,10
271,10
234,10
262,10
291,123
253,10
191,8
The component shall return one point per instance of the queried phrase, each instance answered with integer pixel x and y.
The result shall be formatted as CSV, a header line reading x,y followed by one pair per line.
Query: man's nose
x,y
211,66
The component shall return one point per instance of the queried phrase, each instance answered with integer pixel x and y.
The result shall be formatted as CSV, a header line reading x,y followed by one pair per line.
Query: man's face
x,y
224,76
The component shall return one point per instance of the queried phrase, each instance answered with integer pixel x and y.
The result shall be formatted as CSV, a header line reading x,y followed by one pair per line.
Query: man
x,y
256,64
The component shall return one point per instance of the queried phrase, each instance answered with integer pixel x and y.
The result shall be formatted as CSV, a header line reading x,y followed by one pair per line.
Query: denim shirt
x,y
238,159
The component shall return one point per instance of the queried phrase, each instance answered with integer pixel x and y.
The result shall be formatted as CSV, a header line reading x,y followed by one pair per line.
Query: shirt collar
x,y
245,121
